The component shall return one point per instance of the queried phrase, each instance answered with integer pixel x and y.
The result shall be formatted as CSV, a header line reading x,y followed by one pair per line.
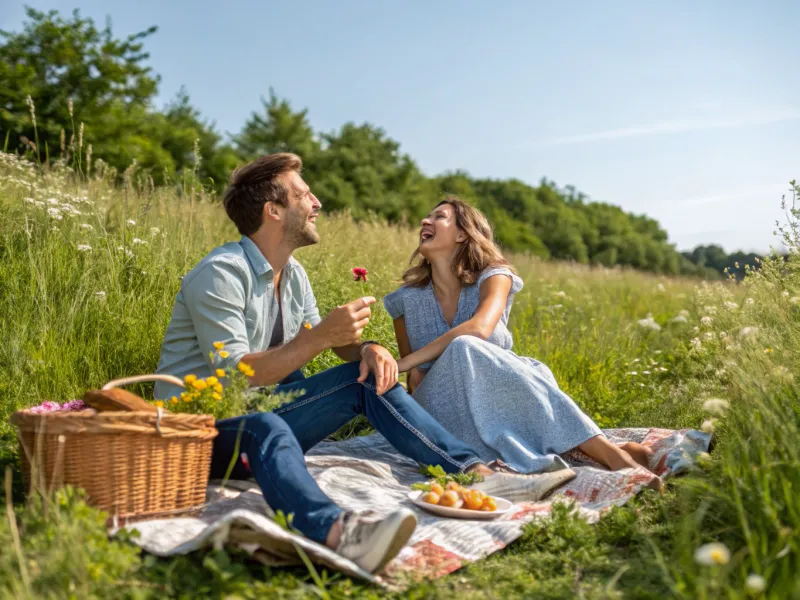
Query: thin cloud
x,y
669,127
772,192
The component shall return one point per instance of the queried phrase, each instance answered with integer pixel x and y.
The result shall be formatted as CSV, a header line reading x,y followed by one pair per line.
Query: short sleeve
x,y
394,303
215,298
516,282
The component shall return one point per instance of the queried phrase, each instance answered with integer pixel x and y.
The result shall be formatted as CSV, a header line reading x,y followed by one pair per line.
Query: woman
x,y
450,319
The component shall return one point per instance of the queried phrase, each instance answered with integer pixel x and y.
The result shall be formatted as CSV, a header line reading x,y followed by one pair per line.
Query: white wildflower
x,y
633,373
635,360
679,319
707,321
683,313
708,426
747,332
795,299
649,323
696,343
137,241
710,310
127,252
662,369
645,372
101,295
716,406
87,227
785,294
561,294
29,200
131,222
755,584
154,231
783,374
712,554
708,335
749,301
52,201
55,213
731,305
660,287
84,248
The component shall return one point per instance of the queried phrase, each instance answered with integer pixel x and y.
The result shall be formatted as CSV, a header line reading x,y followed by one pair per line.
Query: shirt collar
x,y
258,261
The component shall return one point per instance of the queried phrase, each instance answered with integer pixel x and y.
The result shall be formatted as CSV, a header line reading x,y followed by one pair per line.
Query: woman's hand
x,y
415,377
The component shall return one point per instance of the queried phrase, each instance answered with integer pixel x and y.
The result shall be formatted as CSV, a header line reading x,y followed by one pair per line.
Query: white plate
x,y
503,506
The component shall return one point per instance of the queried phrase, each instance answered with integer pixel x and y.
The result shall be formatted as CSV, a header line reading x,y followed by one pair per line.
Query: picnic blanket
x,y
367,473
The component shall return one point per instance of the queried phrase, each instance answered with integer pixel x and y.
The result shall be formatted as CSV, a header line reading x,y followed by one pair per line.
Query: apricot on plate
x,y
437,488
473,499
452,485
489,504
431,497
451,499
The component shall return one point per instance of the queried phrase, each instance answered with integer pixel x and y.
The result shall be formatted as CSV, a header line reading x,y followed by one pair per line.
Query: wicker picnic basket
x,y
133,465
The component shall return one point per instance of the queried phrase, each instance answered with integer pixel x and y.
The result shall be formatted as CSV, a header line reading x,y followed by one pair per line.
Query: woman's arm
x,y
415,376
493,297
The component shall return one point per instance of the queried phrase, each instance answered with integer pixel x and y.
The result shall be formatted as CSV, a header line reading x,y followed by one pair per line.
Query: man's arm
x,y
341,328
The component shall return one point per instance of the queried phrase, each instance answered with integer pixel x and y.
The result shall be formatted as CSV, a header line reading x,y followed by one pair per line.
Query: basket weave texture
x,y
134,465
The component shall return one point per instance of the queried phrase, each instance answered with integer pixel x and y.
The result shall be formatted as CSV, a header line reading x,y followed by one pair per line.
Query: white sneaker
x,y
524,488
371,541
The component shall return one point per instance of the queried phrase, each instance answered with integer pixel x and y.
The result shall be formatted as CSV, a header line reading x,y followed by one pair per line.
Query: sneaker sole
x,y
400,533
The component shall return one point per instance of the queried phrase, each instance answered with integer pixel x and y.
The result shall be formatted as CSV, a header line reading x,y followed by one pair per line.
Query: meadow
x,y
88,275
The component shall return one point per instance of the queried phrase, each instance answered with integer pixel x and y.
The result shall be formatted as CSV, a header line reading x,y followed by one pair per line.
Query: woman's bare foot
x,y
639,452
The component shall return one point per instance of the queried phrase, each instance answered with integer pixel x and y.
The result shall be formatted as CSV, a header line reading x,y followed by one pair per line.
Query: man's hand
x,y
345,324
378,361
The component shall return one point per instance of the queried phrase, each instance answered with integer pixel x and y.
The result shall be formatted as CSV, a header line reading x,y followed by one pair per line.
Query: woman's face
x,y
439,235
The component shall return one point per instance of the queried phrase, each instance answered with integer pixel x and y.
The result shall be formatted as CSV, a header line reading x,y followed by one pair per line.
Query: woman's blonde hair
x,y
476,253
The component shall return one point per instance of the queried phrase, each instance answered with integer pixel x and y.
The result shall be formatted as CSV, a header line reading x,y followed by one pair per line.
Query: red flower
x,y
359,274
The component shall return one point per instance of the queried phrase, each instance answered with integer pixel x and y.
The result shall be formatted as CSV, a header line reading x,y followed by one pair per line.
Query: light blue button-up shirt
x,y
227,298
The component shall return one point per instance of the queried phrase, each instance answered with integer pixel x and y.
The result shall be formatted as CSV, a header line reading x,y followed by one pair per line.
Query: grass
x,y
73,318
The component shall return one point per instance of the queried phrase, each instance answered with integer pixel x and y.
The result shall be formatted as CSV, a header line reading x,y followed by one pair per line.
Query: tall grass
x,y
88,275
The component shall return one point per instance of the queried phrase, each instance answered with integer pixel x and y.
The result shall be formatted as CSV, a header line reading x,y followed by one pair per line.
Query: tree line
x,y
72,91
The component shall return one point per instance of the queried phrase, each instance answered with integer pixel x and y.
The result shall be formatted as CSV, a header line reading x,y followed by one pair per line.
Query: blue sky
x,y
688,112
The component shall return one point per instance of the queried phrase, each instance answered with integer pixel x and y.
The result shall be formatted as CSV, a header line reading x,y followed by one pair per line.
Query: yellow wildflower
x,y
199,384
186,396
216,396
218,388
159,404
219,345
220,373
173,400
190,378
246,369
224,353
212,380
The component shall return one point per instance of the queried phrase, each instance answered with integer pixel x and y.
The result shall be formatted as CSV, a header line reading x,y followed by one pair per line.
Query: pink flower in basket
x,y
50,406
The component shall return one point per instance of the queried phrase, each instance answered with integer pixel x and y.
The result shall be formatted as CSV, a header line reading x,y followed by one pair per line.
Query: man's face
x,y
300,216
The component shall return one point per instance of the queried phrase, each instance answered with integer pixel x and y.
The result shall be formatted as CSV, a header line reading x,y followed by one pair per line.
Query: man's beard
x,y
299,231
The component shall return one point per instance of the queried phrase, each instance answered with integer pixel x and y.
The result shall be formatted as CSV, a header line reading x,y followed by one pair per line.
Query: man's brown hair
x,y
255,184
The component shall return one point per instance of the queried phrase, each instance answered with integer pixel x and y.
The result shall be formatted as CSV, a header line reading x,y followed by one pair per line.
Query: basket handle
x,y
139,378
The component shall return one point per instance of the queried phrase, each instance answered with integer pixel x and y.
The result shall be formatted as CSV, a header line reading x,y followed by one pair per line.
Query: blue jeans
x,y
275,442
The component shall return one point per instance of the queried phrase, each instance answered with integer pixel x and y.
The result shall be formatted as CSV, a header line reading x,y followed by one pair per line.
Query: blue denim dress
x,y
506,407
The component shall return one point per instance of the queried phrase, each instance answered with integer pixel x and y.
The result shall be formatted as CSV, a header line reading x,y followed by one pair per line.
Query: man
x,y
253,296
